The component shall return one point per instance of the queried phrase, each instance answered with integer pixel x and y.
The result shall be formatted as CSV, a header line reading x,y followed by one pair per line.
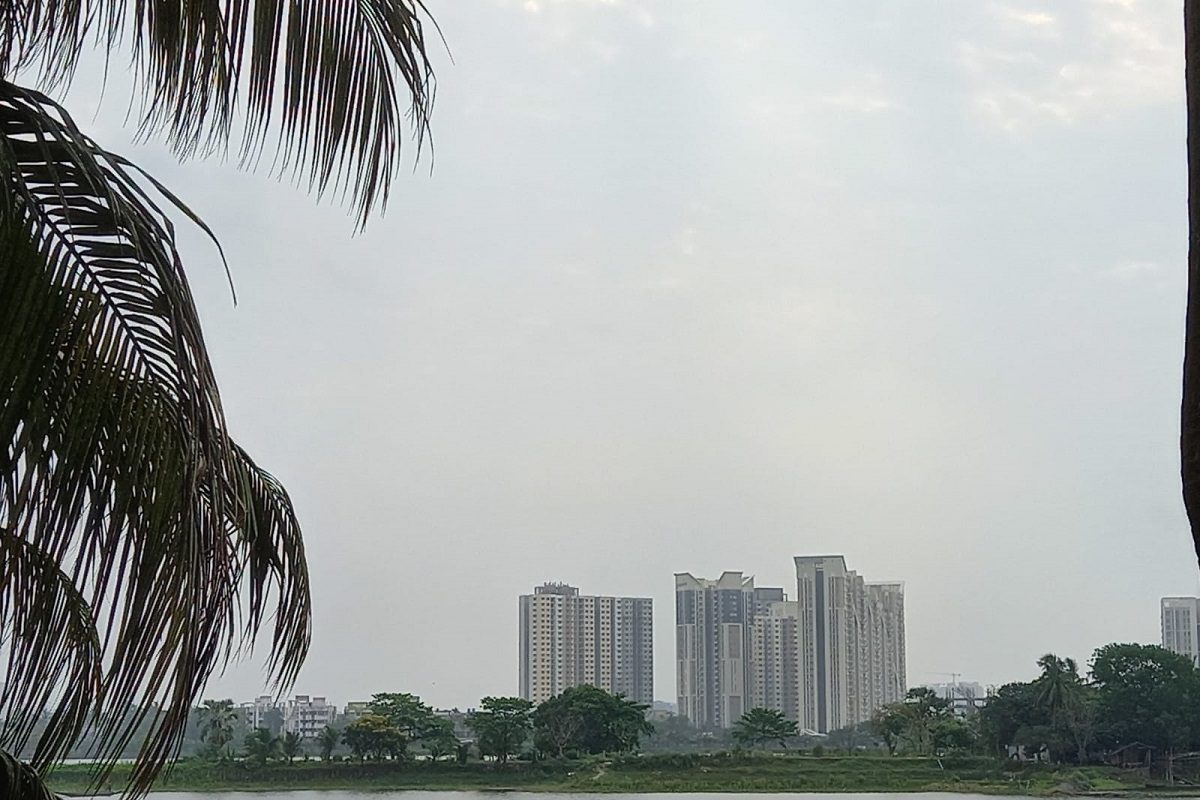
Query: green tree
x,y
501,726
291,745
126,500
272,720
915,723
889,723
374,736
218,720
327,741
676,734
1138,687
1081,717
1058,684
587,719
262,746
406,712
760,725
952,734
438,739
1013,708
852,738
1068,701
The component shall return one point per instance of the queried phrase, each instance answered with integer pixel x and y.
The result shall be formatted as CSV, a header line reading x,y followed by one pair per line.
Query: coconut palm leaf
x,y
21,781
335,80
137,539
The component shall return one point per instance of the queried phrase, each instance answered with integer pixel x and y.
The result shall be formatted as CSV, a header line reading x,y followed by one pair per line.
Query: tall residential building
x,y
775,681
850,644
568,639
1181,626
713,647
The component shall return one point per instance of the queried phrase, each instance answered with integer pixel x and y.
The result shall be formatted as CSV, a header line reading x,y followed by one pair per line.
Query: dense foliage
x,y
923,723
760,725
1133,694
585,719
502,726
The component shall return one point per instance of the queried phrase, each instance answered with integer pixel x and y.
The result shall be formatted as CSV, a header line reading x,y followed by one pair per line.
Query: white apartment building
x,y
258,714
308,716
882,666
850,644
1181,626
568,639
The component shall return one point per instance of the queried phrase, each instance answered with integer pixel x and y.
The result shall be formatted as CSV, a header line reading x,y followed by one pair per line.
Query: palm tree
x,y
262,746
327,741
1058,684
759,725
140,547
291,745
218,718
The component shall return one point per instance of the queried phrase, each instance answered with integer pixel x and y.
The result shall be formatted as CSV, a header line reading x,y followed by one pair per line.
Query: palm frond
x,y
115,464
337,80
52,648
20,781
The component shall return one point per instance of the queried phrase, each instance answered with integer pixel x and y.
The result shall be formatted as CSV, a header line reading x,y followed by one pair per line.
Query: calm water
x,y
418,795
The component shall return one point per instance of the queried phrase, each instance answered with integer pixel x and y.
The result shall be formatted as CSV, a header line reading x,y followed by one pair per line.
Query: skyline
x,y
686,292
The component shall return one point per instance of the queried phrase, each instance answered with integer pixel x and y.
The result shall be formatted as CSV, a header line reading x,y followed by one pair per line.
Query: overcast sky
x,y
700,287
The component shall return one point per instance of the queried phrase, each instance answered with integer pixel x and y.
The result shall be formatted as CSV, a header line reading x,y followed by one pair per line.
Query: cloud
x,y
1094,61
1031,20
860,100
1132,270
566,21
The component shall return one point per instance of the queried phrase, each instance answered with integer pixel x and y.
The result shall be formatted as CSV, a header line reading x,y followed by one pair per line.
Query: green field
x,y
658,773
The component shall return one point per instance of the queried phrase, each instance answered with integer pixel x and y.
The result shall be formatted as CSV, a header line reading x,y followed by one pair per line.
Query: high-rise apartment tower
x,y
569,639
1181,626
850,644
712,647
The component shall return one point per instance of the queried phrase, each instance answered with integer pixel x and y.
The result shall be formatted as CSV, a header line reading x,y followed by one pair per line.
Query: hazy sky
x,y
701,286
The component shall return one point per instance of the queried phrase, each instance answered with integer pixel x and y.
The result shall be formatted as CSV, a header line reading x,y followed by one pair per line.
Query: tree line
x,y
581,720
1131,695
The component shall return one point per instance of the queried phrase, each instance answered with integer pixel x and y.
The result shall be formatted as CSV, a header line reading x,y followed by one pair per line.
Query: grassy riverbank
x,y
661,773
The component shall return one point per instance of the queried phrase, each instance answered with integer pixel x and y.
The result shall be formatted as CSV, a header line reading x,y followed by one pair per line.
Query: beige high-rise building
x,y
850,644
774,668
568,639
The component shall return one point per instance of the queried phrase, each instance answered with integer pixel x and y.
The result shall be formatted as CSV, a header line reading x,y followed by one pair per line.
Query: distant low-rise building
x,y
263,712
308,716
459,720
965,697
355,710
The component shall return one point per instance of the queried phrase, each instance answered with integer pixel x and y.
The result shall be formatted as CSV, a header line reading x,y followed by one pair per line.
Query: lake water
x,y
339,794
